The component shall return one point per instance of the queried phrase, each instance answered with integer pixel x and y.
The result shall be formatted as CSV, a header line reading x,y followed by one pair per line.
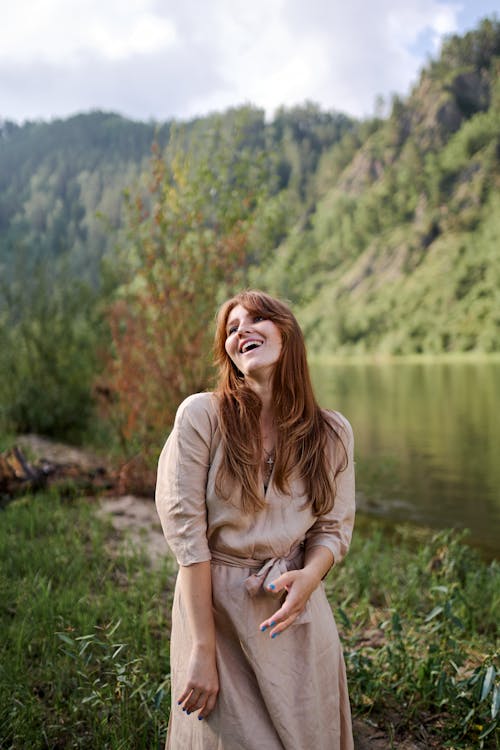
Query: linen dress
x,y
286,693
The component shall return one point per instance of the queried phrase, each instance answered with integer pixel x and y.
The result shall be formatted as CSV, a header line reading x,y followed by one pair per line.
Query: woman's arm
x,y
181,503
202,682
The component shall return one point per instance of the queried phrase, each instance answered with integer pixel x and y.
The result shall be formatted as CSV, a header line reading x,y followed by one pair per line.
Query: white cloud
x,y
164,58
62,32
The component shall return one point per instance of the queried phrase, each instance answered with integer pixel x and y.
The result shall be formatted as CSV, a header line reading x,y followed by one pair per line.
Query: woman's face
x,y
253,343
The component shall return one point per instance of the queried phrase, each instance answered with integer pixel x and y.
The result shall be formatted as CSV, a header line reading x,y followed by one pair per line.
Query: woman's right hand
x,y
202,684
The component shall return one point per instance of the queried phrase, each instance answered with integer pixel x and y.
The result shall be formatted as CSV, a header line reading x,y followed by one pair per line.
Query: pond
x,y
427,440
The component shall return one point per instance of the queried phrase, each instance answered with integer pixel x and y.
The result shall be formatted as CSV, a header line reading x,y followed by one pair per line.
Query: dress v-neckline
x,y
267,487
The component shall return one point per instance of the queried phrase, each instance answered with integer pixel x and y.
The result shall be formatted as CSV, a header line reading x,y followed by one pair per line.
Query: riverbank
x,y
84,620
376,358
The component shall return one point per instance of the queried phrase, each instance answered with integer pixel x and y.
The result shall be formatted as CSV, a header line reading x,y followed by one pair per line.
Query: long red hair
x,y
304,432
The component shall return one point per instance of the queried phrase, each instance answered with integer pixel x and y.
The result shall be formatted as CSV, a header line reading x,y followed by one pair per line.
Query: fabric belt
x,y
265,572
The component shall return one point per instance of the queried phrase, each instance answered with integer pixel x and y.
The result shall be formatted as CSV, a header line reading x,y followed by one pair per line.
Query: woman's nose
x,y
244,327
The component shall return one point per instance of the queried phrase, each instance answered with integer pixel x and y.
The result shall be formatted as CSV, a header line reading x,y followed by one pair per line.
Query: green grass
x,y
84,628
419,619
84,633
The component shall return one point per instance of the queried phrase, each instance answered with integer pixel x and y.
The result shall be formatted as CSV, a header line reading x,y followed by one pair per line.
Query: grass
x,y
84,633
419,620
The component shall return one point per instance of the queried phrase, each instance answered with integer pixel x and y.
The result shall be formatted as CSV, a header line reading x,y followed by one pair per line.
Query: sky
x,y
177,59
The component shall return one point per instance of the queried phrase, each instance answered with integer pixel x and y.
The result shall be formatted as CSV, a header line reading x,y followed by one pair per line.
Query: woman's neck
x,y
264,392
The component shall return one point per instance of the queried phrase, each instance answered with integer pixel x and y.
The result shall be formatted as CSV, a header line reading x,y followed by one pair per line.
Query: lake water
x,y
427,441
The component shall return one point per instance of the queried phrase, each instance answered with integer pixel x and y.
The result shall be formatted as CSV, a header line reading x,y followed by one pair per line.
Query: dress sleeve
x,y
334,529
181,482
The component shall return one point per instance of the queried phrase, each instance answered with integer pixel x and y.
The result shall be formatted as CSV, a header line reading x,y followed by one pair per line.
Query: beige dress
x,y
286,693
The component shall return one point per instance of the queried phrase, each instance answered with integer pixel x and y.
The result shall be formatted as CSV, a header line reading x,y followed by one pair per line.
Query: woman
x,y
255,494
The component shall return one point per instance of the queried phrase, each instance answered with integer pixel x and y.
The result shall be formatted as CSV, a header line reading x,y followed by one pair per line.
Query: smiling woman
x,y
253,344
255,494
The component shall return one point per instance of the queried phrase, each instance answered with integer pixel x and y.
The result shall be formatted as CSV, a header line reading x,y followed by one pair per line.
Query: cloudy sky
x,y
165,59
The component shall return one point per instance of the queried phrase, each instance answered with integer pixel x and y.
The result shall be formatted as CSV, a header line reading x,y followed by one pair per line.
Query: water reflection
x,y
427,440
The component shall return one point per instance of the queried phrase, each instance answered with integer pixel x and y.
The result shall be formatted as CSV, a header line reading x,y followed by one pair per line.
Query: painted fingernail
x,y
264,627
272,586
274,635
272,624
200,718
188,712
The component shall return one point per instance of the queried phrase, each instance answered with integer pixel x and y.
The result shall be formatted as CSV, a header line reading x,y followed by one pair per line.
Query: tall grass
x,y
419,616
84,632
84,627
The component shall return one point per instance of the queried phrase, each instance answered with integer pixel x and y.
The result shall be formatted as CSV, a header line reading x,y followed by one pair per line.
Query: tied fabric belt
x,y
265,572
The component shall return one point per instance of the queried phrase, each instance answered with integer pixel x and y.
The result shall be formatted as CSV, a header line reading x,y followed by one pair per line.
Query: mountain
x,y
383,233
61,186
402,253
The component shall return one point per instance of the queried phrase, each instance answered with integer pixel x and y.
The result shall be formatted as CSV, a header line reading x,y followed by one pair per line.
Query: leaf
x,y
434,613
487,731
120,648
345,620
495,702
396,623
468,717
442,589
457,622
115,626
488,682
159,697
66,639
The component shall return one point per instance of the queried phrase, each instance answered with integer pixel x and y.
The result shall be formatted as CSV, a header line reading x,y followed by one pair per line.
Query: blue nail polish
x,y
188,712
274,635
200,718
272,586
264,627
272,624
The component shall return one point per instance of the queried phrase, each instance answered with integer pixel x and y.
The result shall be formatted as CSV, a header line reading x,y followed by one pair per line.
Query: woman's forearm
x,y
196,583
202,681
318,560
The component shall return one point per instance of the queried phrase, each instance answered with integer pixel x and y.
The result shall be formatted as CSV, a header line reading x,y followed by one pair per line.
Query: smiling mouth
x,y
248,346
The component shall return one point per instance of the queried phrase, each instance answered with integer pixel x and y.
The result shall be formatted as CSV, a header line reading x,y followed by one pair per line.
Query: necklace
x,y
269,457
268,467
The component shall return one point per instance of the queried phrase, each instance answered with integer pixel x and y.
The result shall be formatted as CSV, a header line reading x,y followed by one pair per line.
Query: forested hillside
x,y
62,183
383,232
402,253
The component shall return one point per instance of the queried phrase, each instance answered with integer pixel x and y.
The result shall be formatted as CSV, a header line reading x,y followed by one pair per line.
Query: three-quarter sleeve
x,y
182,479
334,529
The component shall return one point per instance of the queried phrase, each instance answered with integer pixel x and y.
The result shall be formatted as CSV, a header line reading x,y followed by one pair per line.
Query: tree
x,y
188,237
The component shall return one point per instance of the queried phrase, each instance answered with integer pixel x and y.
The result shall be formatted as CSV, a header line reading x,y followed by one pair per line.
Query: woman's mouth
x,y
249,345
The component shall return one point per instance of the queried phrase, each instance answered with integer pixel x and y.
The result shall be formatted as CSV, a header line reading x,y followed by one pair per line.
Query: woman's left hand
x,y
299,585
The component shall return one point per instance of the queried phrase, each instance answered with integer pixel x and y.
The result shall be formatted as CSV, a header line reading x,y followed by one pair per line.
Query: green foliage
x,y
187,247
382,232
420,627
403,256
85,628
58,178
49,330
83,652
114,686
